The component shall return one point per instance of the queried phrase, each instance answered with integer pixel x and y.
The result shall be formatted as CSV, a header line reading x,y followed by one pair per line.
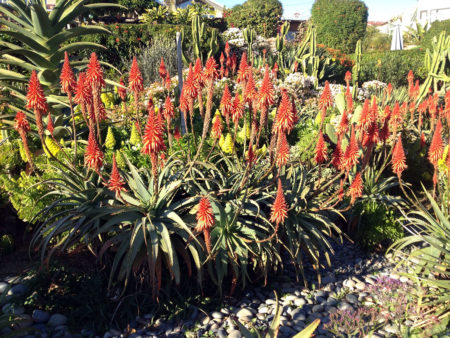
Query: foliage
x,y
392,66
340,23
429,255
375,41
435,29
138,6
415,35
262,16
40,38
6,244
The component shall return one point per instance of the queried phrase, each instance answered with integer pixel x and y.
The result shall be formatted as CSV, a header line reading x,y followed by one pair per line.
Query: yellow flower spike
x,y
110,141
221,141
228,146
442,163
51,146
22,153
135,138
261,151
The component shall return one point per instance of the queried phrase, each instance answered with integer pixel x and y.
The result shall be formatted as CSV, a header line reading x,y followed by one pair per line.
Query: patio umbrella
x,y
397,39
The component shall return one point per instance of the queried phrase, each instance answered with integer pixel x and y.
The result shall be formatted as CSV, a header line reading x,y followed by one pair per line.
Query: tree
x,y
261,15
340,23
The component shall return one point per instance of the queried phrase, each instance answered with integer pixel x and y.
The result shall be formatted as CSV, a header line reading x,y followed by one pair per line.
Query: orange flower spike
x,y
198,73
168,112
93,156
436,150
279,208
275,70
266,92
389,90
21,124
349,100
189,85
243,69
122,91
326,99
250,93
35,96
238,109
222,59
398,158
384,132
50,126
356,188
343,124
67,79
210,72
226,104
216,131
282,155
227,49
284,120
321,150
94,73
153,140
336,160
168,82
135,80
351,153
162,70
83,94
348,78
116,183
364,118
205,221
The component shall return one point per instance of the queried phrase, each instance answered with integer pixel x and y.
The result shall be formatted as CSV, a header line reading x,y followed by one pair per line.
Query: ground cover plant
x,y
252,161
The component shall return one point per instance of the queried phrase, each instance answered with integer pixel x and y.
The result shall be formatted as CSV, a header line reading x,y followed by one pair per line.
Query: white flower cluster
x,y
297,81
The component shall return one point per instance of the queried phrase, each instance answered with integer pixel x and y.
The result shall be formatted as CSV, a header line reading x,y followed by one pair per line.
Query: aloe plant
x,y
429,254
40,38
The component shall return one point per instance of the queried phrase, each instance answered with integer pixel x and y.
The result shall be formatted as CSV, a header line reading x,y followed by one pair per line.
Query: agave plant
x,y
429,254
40,38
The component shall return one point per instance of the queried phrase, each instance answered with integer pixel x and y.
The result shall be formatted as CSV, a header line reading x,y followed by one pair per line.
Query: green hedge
x,y
393,66
436,28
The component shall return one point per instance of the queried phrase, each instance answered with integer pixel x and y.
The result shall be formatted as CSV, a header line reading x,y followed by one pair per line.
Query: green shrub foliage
x,y
340,23
261,15
435,29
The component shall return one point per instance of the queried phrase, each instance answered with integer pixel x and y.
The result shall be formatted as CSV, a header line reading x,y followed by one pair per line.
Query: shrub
x,y
436,28
375,41
340,23
393,66
263,16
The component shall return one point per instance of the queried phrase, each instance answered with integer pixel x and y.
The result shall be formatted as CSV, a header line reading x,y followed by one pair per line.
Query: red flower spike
x,y
243,69
227,49
336,160
423,141
222,59
371,136
384,132
364,118
233,63
205,220
398,158
321,150
275,70
389,90
184,104
238,109
116,183
50,126
168,82
348,78
67,78
251,158
342,128
21,125
387,113
153,140
349,100
162,69
190,84
176,133
351,153
93,156
168,112
198,73
284,120
326,99
83,94
356,188
216,131
436,150
250,93
35,96
210,72
283,152
410,77
122,91
135,80
266,92
279,208
226,104
94,73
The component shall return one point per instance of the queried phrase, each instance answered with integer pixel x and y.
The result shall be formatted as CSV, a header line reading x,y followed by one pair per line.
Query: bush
x,y
375,41
340,23
263,16
393,66
436,28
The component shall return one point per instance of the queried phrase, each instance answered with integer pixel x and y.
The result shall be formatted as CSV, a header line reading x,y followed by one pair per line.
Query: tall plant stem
x,y
74,130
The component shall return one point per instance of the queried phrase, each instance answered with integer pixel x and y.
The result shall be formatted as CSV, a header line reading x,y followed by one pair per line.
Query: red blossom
x,y
135,80
282,155
326,99
279,208
153,140
94,73
243,69
35,96
50,126
351,153
436,150
216,131
83,94
238,109
162,69
93,156
321,150
336,160
266,92
210,72
226,103
122,91
116,183
356,188
398,158
67,78
284,120
21,125
168,112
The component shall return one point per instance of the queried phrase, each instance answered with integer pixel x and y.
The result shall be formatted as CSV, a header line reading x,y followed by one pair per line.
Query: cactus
x,y
110,141
356,70
280,43
435,64
199,36
249,37
213,44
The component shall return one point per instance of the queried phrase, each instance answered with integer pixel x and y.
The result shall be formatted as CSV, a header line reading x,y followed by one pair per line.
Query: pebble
x,y
391,329
18,290
244,313
351,298
217,315
40,316
3,287
235,334
57,320
317,308
299,302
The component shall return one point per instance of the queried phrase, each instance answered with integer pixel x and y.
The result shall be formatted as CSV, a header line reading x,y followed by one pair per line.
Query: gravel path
x,y
344,286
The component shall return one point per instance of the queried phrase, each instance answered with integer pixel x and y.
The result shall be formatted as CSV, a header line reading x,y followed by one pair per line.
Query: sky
x,y
379,10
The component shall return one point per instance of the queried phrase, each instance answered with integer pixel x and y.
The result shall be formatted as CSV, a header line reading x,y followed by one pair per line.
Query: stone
x,y
286,331
328,279
270,301
345,306
244,312
351,298
349,283
221,333
57,320
235,334
317,308
217,315
225,311
40,316
391,329
299,302
298,315
3,287
13,309
263,309
18,290
261,316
